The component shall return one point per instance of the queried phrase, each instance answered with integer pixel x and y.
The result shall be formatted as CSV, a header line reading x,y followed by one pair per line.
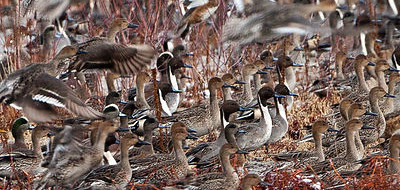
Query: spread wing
x,y
119,58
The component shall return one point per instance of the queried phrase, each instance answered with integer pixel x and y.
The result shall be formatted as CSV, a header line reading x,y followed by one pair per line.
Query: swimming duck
x,y
113,176
65,171
163,172
318,128
205,117
27,162
34,90
198,11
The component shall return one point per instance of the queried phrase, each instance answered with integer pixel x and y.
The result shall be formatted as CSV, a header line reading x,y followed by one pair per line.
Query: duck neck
x,y
373,100
110,82
247,95
37,150
359,146
257,82
265,121
339,70
148,137
290,77
141,98
351,149
226,91
395,163
382,80
112,33
227,167
214,107
389,101
318,146
361,79
101,140
124,162
179,153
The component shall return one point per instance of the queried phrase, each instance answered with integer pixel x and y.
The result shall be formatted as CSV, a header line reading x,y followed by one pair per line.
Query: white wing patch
x,y
16,106
49,100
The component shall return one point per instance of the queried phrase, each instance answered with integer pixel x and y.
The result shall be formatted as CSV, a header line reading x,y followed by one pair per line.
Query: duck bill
x,y
189,54
239,82
140,142
163,126
131,25
370,113
294,64
122,114
242,131
191,130
31,127
298,49
123,102
393,69
342,7
51,134
191,137
123,129
293,94
187,66
367,127
268,67
351,58
371,64
176,91
228,86
186,77
275,59
81,52
265,184
279,96
379,41
390,96
117,141
261,72
332,130
244,109
241,152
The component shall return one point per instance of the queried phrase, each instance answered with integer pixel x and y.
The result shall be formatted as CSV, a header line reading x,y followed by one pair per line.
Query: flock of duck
x,y
73,145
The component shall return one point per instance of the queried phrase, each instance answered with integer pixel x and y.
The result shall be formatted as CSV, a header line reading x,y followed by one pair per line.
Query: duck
x,y
165,171
269,21
65,171
318,128
251,180
182,80
247,71
104,53
394,149
206,151
230,82
113,176
228,179
34,90
392,103
27,163
18,128
198,11
205,117
352,153
166,96
340,58
258,133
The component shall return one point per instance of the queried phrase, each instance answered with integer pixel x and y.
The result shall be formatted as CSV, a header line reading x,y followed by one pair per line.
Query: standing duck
x,y
65,171
113,176
163,172
394,149
205,151
258,133
27,161
34,90
318,128
205,117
